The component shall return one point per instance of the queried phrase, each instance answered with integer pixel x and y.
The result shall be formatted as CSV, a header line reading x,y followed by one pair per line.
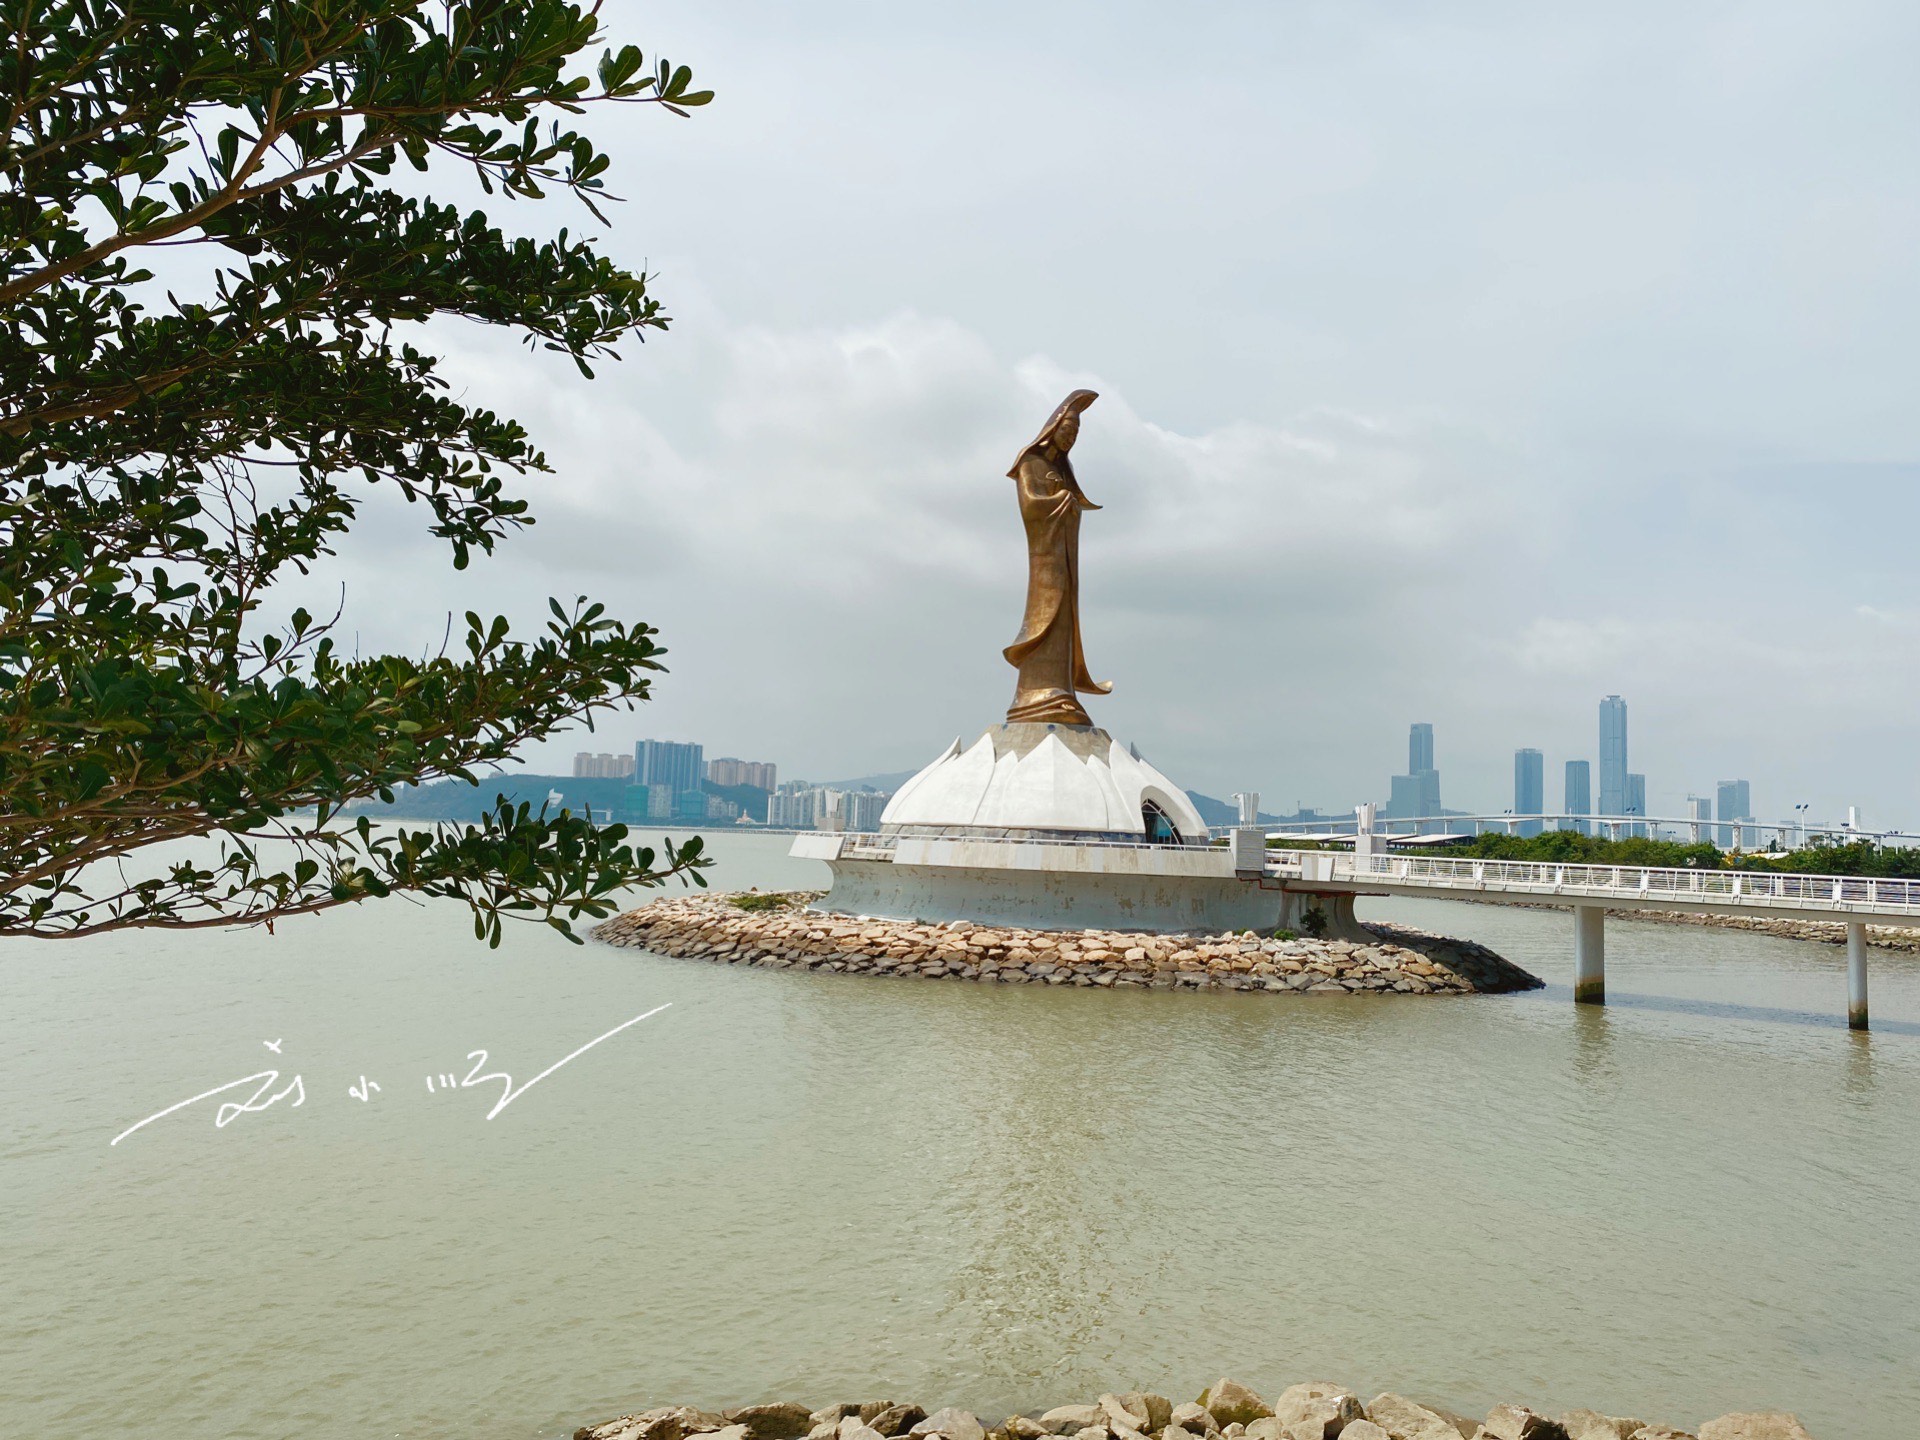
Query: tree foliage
x,y
210,274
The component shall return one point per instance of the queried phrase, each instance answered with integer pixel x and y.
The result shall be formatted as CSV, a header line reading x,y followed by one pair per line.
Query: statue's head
x,y
1062,427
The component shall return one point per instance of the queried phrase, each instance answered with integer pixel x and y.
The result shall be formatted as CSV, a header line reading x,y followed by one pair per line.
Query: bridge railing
x,y
1638,879
1748,833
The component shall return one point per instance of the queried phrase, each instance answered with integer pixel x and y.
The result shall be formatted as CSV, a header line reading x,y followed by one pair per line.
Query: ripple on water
x,y
1003,1196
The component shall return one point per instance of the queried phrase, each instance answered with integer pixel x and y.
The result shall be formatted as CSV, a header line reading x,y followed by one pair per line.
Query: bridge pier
x,y
1590,955
1856,975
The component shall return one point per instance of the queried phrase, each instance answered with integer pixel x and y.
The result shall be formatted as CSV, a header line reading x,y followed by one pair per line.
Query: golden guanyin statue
x,y
1048,653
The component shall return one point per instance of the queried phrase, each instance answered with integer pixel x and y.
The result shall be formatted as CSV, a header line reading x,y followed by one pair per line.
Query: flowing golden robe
x,y
1048,653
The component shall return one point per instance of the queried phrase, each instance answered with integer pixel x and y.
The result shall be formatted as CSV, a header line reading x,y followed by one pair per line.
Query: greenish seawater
x,y
823,1187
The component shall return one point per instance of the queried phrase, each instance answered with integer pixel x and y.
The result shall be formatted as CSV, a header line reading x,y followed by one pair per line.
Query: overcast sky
x,y
1460,363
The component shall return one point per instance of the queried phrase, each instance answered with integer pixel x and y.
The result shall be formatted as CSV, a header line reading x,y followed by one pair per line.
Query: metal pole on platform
x,y
1856,975
1589,955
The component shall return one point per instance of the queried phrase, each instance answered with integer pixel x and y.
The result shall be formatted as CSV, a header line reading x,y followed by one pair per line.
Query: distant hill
x,y
886,784
607,798
457,800
751,799
1225,812
1214,812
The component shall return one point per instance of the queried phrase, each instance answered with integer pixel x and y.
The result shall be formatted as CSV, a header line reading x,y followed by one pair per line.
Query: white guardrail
x,y
1631,881
866,845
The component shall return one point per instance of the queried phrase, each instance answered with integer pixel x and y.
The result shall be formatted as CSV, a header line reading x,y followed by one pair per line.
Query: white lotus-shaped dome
x,y
1051,778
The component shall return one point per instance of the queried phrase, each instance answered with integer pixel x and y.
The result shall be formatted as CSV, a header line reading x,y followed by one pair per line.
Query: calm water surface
x,y
822,1187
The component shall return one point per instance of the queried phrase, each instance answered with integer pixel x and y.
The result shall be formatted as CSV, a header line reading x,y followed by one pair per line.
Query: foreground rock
x,y
778,930
1225,1410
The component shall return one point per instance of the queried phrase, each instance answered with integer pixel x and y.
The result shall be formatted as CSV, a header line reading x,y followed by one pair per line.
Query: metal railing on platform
x,y
862,843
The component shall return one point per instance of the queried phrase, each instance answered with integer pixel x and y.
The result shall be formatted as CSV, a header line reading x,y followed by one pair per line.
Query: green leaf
x,y
164,462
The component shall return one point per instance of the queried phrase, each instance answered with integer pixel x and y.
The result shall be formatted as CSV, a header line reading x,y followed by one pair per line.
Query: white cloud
x,y
829,520
1460,369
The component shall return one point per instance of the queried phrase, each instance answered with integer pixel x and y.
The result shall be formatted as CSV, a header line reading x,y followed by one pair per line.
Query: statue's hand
x,y
1063,505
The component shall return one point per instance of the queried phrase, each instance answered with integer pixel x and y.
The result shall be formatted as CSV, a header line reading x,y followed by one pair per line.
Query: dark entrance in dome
x,y
1160,830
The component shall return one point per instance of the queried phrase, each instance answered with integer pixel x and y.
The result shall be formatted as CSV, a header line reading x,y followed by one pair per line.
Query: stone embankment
x,y
778,930
1826,932
1225,1411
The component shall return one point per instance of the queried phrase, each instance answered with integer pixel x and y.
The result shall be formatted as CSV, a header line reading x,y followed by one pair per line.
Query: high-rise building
x,y
792,809
860,809
1577,798
1529,788
818,808
1637,802
1613,756
602,767
671,763
729,771
1700,811
1429,783
1417,793
1733,799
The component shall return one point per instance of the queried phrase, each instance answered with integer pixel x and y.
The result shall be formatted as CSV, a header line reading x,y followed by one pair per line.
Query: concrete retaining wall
x,y
1056,899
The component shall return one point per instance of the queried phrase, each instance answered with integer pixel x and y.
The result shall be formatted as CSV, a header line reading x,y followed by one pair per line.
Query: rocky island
x,y
1226,1410
778,930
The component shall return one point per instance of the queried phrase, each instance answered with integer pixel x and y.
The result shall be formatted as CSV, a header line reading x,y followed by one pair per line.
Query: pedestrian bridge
x,y
1619,887
1591,890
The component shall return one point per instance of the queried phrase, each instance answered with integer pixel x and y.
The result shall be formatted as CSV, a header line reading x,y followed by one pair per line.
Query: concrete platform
x,y
1065,885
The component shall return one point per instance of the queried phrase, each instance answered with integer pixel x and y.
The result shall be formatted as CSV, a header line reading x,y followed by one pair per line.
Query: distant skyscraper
x,y
1636,801
1417,793
1529,788
1577,798
678,766
1429,784
1613,756
1700,811
1734,801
